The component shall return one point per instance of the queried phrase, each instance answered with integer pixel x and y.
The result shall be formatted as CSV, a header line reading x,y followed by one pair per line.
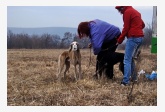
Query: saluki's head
x,y
74,46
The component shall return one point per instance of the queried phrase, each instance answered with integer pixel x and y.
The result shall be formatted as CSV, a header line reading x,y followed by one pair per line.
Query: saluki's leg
x,y
67,65
76,74
61,66
80,75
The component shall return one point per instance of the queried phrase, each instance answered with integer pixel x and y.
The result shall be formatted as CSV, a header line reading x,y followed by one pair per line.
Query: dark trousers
x,y
108,49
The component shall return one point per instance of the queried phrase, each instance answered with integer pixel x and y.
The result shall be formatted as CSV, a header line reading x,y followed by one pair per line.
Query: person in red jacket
x,y
133,30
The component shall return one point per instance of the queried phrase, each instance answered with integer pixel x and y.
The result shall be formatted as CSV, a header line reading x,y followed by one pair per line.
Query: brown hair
x,y
83,28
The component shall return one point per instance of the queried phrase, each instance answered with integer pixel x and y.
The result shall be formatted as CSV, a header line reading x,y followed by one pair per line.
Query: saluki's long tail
x,y
59,65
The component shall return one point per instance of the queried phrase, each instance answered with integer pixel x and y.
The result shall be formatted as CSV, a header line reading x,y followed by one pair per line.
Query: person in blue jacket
x,y
103,36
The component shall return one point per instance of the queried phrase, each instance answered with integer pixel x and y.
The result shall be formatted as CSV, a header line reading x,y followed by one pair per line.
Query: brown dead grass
x,y
32,81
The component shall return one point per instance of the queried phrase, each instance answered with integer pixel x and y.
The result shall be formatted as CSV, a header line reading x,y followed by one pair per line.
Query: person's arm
x,y
126,27
97,41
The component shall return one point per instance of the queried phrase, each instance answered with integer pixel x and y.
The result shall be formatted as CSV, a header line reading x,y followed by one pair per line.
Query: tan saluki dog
x,y
72,56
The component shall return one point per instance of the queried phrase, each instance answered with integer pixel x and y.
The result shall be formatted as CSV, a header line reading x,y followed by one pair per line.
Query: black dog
x,y
105,62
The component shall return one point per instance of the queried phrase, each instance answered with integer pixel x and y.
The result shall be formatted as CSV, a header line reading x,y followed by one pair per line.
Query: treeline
x,y
45,41
48,41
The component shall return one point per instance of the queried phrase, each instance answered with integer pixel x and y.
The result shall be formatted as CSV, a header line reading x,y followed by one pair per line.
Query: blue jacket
x,y
100,32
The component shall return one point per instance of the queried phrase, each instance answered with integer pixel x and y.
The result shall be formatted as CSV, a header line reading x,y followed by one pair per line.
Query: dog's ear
x,y
70,48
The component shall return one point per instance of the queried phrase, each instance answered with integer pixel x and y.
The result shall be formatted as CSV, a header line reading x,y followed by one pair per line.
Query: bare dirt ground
x,y
32,81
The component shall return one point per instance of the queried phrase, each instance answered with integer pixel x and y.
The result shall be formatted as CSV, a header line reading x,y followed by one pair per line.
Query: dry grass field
x,y
32,81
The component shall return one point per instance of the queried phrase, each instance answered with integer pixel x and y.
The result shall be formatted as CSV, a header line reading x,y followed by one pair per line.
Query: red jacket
x,y
133,24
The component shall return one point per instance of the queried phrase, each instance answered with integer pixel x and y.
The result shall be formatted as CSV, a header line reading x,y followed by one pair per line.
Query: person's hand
x,y
117,43
89,45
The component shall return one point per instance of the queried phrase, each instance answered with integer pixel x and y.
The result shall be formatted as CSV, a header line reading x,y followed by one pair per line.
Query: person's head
x,y
120,9
83,29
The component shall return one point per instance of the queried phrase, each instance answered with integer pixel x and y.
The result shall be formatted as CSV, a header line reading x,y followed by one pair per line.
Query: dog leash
x,y
97,60
90,57
129,97
89,61
109,48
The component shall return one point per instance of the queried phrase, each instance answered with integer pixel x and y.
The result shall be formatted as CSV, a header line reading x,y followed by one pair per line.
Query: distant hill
x,y
43,30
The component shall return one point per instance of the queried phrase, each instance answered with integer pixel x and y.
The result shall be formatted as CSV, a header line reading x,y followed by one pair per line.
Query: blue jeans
x,y
131,45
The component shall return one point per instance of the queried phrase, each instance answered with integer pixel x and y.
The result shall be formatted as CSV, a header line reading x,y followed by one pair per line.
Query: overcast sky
x,y
67,16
